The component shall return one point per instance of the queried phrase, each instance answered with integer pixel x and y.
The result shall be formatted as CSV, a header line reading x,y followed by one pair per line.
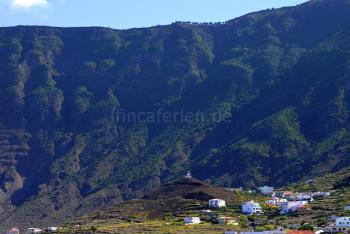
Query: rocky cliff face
x,y
90,117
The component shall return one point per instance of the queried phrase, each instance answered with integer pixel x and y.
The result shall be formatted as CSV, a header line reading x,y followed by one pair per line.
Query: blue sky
x,y
122,14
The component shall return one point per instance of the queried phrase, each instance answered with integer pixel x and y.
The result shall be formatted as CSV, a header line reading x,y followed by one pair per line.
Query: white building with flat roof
x,y
342,222
305,197
52,229
321,194
251,207
276,201
33,230
217,203
336,229
292,206
192,220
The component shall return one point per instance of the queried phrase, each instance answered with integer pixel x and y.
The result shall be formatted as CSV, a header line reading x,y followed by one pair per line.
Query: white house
x,y
217,203
342,222
321,194
13,231
304,197
336,229
33,230
266,190
192,220
251,207
292,206
346,208
276,201
52,229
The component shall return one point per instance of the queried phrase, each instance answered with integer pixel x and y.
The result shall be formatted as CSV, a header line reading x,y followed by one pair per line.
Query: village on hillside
x,y
264,215
286,203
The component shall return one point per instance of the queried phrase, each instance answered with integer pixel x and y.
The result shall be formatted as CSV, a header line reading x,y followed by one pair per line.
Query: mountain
x,y
92,117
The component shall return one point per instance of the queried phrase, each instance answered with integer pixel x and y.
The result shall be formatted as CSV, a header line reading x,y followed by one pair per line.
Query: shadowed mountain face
x,y
190,188
90,117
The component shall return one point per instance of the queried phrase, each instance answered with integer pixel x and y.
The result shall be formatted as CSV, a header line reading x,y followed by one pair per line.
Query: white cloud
x,y
27,4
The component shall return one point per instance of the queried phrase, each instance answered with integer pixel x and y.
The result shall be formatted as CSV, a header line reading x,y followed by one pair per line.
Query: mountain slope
x,y
163,211
91,117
